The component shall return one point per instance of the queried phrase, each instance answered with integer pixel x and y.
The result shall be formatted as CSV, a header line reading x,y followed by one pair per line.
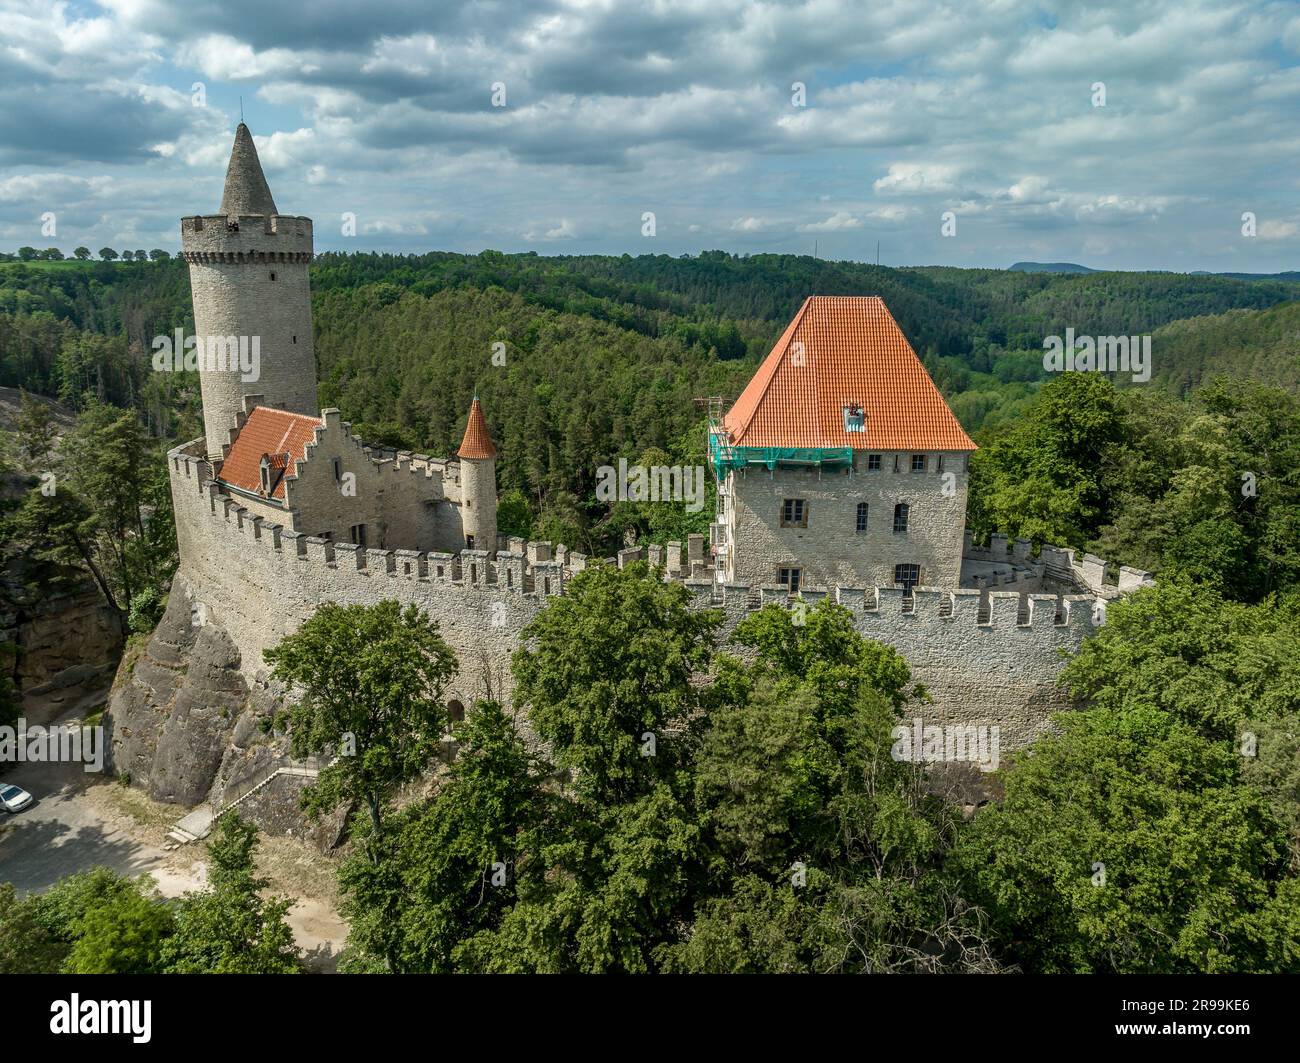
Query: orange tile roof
x,y
276,434
838,351
478,440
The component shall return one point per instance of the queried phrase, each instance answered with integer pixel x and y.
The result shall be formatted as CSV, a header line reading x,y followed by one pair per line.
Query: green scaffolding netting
x,y
726,457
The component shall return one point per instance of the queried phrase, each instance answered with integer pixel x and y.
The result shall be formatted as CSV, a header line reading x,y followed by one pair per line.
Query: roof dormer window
x,y
264,469
855,417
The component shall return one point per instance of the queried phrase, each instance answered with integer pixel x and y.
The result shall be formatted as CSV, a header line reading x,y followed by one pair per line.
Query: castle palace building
x,y
840,463
269,447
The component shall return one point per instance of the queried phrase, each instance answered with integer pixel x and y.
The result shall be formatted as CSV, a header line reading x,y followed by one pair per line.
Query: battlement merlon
x,y
246,238
1061,564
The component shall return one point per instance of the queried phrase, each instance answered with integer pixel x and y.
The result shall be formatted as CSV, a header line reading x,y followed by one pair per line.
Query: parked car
x,y
14,798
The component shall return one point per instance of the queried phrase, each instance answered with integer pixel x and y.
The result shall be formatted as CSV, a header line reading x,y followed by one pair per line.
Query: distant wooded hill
x,y
1253,344
1051,267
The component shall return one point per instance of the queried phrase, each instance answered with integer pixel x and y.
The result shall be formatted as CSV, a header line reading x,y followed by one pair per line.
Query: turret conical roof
x,y
246,189
478,440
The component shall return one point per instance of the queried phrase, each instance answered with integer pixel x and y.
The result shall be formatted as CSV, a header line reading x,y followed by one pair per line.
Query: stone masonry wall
x,y
259,582
830,549
409,501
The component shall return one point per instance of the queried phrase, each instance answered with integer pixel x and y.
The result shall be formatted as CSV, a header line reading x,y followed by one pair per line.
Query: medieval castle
x,y
840,472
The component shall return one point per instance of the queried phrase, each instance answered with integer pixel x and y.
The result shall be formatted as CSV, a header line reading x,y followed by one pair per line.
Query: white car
x,y
14,798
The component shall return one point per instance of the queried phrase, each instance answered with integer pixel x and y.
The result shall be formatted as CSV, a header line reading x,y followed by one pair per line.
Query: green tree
x,y
1126,844
26,945
1041,480
448,867
1156,831
606,679
607,664
107,254
513,514
826,851
371,680
123,934
82,253
229,928
104,461
36,431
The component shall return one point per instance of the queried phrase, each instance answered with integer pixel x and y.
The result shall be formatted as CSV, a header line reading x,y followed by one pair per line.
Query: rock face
x,y
186,727
65,633
63,640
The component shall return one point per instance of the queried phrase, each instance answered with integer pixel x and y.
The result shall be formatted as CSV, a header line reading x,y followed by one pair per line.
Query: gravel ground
x,y
81,820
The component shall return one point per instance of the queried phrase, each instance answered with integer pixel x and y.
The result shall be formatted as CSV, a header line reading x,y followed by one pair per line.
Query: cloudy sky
x,y
118,117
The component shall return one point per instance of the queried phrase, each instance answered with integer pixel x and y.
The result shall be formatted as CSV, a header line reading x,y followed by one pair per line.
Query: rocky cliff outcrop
x,y
64,632
186,727
63,640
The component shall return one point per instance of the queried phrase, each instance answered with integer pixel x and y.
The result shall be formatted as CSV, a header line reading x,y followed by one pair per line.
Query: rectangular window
x,y
789,578
918,463
794,513
862,516
358,534
873,462
939,464
469,542
907,576
338,471
901,512
855,418
895,463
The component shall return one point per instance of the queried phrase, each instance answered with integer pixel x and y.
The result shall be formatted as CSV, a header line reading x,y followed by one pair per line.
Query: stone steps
x,y
198,824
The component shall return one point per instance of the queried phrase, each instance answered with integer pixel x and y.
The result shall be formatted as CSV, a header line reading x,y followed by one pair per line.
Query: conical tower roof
x,y
478,440
246,189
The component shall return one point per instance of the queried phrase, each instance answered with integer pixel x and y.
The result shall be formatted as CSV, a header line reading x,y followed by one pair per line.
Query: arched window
x,y
900,517
455,711
862,516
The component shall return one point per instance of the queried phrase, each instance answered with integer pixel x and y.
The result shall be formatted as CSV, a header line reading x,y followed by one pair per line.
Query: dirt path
x,y
81,820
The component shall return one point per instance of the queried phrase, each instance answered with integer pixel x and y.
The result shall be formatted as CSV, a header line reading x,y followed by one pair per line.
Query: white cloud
x,y
564,229
837,222
1278,230
917,178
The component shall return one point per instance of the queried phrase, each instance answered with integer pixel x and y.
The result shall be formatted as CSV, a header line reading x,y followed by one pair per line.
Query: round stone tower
x,y
252,300
478,482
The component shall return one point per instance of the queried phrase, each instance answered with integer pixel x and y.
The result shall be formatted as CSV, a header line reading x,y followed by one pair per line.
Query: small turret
x,y
478,479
